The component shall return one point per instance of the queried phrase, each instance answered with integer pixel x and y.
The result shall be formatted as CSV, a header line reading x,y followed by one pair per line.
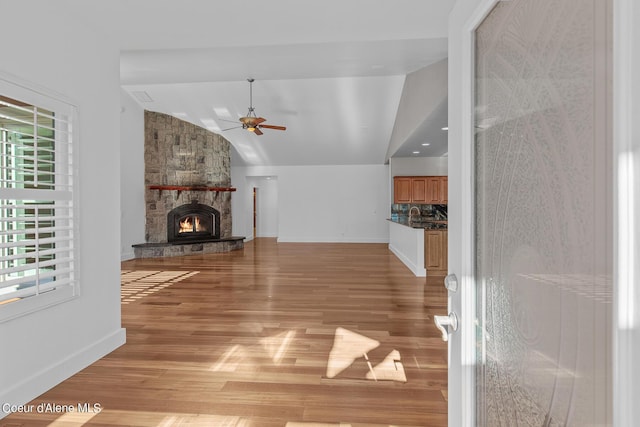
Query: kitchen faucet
x,y
411,211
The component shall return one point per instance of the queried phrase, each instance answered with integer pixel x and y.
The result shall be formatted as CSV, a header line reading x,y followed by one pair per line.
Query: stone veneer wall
x,y
180,153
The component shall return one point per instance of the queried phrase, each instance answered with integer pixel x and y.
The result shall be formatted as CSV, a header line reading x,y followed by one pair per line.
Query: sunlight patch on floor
x,y
146,418
251,357
230,360
390,369
349,346
197,420
277,346
73,419
292,424
140,283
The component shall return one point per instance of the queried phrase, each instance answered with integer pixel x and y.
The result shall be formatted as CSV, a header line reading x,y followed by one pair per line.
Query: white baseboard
x,y
419,272
329,239
40,382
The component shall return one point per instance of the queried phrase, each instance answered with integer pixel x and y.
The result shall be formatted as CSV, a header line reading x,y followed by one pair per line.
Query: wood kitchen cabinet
x,y
435,252
433,190
444,190
419,190
424,190
402,189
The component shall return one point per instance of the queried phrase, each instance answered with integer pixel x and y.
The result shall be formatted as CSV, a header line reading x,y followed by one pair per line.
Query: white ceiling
x,y
332,72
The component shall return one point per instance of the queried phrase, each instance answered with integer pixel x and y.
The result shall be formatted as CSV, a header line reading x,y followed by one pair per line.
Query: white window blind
x,y
37,231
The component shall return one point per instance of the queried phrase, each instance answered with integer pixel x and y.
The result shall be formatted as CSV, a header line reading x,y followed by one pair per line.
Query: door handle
x,y
443,322
451,283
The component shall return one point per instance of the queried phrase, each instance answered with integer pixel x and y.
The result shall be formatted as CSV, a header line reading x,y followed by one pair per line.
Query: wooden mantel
x,y
189,188
181,188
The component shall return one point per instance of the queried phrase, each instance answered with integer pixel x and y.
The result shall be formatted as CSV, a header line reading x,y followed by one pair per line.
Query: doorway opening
x,y
262,210
255,212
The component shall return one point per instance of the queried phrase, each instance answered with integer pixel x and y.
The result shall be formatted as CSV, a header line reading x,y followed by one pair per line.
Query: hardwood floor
x,y
276,334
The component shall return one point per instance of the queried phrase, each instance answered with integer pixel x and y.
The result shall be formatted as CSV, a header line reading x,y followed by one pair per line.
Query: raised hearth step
x,y
157,250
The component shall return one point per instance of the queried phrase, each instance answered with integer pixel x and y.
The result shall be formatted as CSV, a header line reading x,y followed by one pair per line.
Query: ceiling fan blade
x,y
257,131
274,127
235,127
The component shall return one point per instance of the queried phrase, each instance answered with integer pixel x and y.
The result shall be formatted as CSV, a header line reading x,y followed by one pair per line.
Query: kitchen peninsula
x,y
418,237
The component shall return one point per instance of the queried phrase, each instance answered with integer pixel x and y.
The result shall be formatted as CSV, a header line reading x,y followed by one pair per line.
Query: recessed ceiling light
x,y
445,128
426,144
416,152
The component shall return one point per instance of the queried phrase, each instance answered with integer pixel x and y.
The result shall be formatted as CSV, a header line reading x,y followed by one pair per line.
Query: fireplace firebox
x,y
193,222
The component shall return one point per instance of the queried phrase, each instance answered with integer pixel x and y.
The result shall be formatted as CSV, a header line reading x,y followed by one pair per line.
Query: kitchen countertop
x,y
423,223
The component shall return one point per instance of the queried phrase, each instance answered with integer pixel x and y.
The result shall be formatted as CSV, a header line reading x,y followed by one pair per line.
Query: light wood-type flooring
x,y
276,334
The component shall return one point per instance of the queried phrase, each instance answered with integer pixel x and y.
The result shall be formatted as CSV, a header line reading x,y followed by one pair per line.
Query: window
x,y
37,227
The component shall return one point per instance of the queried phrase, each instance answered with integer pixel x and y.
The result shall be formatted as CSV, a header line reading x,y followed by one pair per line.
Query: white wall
x,y
132,213
41,349
320,203
415,106
419,166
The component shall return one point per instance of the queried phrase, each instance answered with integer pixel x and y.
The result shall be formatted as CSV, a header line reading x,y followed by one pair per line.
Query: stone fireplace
x,y
188,182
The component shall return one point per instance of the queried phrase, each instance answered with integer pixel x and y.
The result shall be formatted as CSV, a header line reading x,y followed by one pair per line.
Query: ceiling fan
x,y
251,122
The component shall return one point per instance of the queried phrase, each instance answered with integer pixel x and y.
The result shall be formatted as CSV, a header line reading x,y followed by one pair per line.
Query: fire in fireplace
x,y
193,222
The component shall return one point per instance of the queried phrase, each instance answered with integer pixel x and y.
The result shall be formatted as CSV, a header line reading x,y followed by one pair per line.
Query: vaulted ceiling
x,y
332,72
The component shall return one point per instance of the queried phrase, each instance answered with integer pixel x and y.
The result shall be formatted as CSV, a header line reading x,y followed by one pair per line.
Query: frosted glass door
x,y
543,214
